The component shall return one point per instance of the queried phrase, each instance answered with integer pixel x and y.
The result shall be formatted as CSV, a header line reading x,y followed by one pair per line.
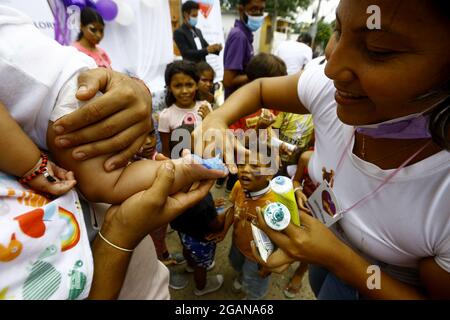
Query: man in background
x,y
189,39
296,54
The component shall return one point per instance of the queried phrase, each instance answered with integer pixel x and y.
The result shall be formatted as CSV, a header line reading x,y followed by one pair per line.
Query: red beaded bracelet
x,y
42,170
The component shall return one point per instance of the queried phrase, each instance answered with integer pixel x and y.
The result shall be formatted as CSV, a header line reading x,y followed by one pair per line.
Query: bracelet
x,y
297,189
41,170
112,244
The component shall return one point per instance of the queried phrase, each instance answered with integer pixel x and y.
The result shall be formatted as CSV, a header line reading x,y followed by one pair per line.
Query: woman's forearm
x,y
354,271
279,93
110,266
245,101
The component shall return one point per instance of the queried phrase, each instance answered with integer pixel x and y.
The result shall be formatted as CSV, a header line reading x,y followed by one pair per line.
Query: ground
x,y
278,281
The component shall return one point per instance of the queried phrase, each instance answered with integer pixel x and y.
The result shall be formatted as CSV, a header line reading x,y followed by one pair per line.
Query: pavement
x,y
222,266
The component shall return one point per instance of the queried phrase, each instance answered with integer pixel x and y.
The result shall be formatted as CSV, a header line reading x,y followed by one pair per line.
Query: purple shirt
x,y
238,50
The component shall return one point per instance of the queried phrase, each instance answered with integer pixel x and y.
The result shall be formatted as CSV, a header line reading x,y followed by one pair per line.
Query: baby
x,y
94,182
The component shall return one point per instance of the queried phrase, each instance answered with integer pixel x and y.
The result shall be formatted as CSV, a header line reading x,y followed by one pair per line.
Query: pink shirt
x,y
100,56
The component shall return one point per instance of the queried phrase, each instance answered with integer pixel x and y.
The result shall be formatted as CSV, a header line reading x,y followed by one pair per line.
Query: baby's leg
x,y
114,187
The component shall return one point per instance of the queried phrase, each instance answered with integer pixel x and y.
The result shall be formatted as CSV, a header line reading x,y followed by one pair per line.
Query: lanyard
x,y
385,181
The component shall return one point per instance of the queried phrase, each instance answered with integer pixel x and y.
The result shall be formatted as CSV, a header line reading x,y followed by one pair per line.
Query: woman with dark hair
x,y
91,33
380,105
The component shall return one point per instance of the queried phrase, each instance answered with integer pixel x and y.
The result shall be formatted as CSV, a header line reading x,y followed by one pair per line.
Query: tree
x,y
324,32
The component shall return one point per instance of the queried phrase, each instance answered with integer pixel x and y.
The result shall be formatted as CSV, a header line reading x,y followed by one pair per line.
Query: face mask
x,y
254,22
193,21
413,126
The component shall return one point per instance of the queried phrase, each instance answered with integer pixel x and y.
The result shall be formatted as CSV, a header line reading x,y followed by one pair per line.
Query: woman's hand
x,y
116,122
313,243
148,210
213,136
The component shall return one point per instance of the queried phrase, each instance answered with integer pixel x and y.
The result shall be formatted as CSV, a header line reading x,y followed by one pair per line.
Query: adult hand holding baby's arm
x,y
126,225
116,122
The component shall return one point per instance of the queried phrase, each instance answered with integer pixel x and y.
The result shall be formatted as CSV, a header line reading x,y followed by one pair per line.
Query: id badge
x,y
198,43
324,206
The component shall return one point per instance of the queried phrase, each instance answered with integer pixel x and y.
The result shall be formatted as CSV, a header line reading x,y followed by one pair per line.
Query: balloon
x,y
108,9
125,16
78,3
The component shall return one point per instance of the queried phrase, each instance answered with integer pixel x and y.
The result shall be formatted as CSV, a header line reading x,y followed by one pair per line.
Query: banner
x,y
210,23
138,41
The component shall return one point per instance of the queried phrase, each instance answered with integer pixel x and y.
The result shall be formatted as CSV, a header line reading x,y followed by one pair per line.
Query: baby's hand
x,y
65,180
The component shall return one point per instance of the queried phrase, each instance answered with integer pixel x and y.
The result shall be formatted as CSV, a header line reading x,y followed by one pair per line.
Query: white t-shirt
x,y
408,219
174,117
33,69
295,54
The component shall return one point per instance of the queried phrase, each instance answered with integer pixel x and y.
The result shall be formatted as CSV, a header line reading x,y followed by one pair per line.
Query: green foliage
x,y
324,32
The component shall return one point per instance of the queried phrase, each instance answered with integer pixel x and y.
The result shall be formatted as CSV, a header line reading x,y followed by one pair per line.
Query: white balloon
x,y
126,15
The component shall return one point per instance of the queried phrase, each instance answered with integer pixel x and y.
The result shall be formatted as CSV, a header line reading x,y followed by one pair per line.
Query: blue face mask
x,y
254,22
193,21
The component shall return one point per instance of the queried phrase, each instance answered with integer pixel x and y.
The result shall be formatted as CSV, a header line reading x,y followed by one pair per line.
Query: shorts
x,y
202,253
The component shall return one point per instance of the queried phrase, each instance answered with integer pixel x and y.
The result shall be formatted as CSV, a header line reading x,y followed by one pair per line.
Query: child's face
x,y
184,89
149,148
206,82
250,176
93,32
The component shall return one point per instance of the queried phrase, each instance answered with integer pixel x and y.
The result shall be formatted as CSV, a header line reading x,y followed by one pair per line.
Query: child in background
x,y
91,33
193,226
183,98
206,76
250,192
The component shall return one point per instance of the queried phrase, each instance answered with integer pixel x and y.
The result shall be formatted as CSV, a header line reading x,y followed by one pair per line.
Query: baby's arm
x,y
21,157
114,187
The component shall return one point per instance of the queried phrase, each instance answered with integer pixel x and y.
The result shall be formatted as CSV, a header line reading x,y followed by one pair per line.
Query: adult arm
x,y
115,123
262,93
126,225
315,243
